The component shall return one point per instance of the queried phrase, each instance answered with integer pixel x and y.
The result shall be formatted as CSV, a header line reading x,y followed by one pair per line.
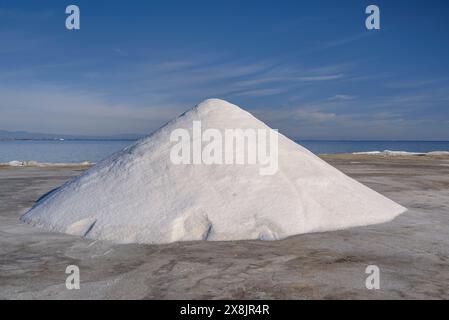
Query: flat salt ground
x,y
139,195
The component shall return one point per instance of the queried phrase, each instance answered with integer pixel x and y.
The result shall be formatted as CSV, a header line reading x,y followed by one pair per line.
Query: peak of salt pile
x,y
139,195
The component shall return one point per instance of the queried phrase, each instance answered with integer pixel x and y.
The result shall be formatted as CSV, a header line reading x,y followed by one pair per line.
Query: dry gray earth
x,y
412,252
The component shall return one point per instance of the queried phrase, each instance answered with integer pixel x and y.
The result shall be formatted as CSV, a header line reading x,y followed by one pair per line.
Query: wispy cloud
x,y
261,92
60,109
321,78
314,116
341,41
342,97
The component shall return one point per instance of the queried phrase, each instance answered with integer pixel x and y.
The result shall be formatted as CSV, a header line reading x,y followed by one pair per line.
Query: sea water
x,y
56,151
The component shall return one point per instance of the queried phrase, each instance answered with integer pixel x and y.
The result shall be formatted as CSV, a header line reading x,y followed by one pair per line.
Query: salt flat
x,y
412,251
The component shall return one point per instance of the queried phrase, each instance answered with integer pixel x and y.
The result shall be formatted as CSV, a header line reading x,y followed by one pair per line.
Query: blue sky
x,y
308,68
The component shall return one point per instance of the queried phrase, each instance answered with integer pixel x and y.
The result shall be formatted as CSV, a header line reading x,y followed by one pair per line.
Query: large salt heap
x,y
140,195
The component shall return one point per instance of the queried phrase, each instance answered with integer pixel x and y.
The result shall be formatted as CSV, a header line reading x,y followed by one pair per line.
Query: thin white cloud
x,y
342,97
315,116
261,92
341,41
55,109
321,78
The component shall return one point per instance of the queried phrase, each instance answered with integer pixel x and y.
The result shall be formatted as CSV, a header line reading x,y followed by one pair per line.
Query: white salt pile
x,y
140,195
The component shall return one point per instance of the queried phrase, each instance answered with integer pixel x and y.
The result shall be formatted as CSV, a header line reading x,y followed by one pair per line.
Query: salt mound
x,y
139,195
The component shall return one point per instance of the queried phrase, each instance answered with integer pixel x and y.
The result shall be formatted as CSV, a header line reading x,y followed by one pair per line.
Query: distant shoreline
x,y
78,150
135,139
64,139
347,156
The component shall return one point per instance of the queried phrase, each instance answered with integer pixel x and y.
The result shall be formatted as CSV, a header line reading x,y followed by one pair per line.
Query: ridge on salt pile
x,y
139,195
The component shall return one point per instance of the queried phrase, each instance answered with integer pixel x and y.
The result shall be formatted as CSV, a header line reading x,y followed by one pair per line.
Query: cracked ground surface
x,y
412,251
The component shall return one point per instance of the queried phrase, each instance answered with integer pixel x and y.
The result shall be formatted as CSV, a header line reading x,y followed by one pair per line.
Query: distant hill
x,y
25,135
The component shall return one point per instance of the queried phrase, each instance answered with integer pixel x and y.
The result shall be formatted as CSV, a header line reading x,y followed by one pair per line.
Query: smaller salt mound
x,y
32,163
139,195
391,153
403,153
